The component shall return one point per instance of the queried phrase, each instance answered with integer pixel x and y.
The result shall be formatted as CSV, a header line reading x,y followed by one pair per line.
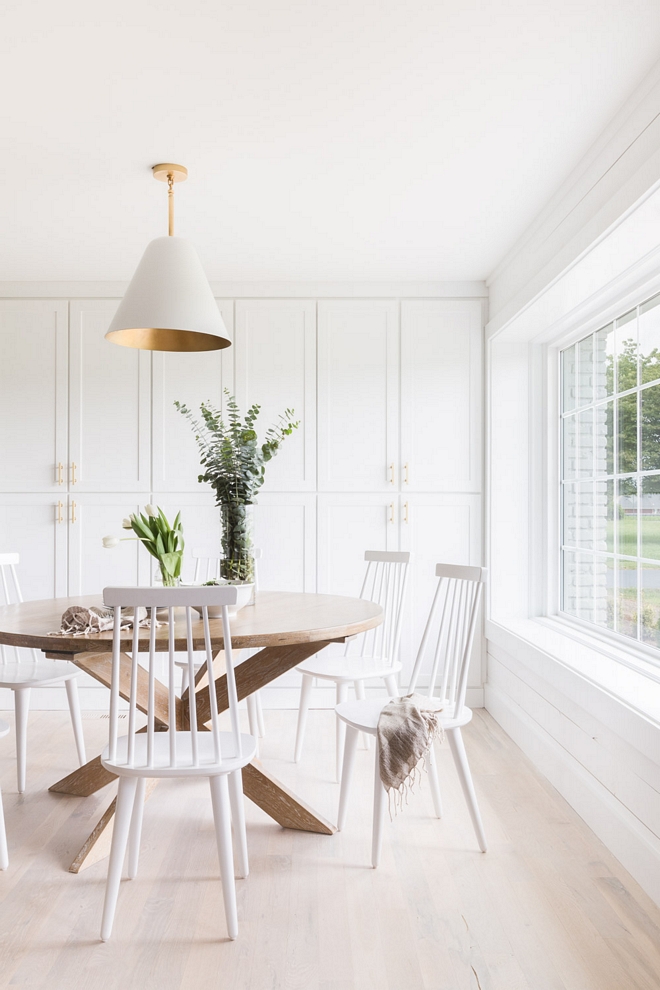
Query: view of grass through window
x,y
610,475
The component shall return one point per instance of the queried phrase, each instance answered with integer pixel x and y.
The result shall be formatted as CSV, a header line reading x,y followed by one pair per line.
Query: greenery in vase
x,y
164,542
234,463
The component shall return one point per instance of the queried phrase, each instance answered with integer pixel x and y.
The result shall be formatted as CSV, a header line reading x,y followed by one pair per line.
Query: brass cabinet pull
x,y
405,477
391,512
73,512
60,506
391,474
73,473
60,473
405,512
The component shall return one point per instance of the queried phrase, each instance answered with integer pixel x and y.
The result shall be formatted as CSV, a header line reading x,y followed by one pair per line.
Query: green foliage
x,y
649,366
234,461
164,542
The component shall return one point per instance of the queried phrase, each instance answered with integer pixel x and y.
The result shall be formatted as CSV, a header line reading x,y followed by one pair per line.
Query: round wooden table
x,y
286,627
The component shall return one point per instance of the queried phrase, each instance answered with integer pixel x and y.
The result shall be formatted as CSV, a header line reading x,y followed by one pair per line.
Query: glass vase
x,y
237,564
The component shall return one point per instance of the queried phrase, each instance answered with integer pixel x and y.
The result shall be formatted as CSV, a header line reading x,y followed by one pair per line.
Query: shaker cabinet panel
x,y
110,406
275,366
285,532
91,566
35,526
358,382
441,395
33,395
191,379
347,526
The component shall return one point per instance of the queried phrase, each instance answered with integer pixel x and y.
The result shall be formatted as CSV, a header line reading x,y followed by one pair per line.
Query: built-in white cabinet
x,y
35,525
33,395
285,532
91,566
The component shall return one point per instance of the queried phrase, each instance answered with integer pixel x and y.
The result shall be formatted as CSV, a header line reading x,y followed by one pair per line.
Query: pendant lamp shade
x,y
169,305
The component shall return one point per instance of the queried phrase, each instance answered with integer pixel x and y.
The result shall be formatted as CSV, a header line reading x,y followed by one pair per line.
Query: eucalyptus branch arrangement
x,y
164,542
234,463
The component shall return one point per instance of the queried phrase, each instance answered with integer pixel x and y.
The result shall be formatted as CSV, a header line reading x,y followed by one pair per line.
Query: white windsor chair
x,y
454,614
137,756
21,675
4,855
373,654
207,568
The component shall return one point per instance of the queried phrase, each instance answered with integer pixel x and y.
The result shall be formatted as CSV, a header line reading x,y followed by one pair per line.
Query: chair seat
x,y
208,767
348,668
364,715
31,672
4,728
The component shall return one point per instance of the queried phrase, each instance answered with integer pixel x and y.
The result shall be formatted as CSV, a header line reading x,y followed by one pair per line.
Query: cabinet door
x,y
347,526
436,529
358,379
110,406
91,566
285,532
33,395
35,526
275,366
191,379
441,395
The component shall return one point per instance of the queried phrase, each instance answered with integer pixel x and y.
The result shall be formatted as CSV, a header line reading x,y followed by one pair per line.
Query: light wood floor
x,y
547,908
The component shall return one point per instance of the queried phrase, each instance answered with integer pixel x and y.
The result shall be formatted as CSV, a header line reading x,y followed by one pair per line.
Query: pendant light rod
x,y
169,173
170,204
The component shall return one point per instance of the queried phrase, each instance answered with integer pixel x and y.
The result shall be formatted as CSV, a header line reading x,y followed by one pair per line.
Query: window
x,y
610,476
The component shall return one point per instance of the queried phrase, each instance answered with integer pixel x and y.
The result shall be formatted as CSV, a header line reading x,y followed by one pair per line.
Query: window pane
x,y
569,515
604,593
650,517
586,444
604,439
604,362
579,585
650,604
627,517
569,447
568,378
603,516
569,586
649,340
626,351
650,413
626,612
585,516
627,430
585,371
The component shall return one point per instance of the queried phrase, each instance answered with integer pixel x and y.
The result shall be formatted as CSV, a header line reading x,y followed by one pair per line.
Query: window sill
x,y
614,671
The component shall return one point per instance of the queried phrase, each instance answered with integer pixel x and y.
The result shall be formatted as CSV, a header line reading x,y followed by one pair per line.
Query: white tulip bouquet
x,y
164,542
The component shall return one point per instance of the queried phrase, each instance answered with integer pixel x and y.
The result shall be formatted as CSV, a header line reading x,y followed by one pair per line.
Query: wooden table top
x,y
277,618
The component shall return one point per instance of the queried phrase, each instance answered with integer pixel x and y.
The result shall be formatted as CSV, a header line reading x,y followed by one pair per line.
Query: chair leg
x,y
340,730
4,855
21,707
432,769
305,698
135,832
380,801
238,820
350,748
184,680
392,686
463,769
220,801
260,715
123,815
71,685
253,718
360,695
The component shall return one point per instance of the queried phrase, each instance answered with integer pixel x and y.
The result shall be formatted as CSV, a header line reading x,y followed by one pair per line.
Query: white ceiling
x,y
344,140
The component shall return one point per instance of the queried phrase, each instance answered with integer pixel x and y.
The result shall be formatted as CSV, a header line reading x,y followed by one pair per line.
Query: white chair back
x,y
385,583
171,598
207,565
449,633
10,595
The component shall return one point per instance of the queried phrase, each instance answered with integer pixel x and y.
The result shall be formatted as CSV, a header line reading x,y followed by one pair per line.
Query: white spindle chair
x,y
447,638
4,855
21,675
207,568
373,654
175,753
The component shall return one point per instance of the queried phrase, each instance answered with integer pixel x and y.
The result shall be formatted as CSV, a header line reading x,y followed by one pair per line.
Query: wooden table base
x,y
258,785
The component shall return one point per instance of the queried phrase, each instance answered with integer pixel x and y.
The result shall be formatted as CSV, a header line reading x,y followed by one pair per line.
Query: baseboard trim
x,y
634,845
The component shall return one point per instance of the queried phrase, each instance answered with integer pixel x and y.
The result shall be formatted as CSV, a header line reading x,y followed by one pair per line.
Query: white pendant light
x,y
169,305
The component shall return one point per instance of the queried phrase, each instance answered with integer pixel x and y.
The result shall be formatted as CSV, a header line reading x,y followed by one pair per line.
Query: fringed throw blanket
x,y
406,730
80,621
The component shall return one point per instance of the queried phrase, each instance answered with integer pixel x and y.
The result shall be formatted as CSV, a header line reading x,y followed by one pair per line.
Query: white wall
x,y
586,711
387,382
